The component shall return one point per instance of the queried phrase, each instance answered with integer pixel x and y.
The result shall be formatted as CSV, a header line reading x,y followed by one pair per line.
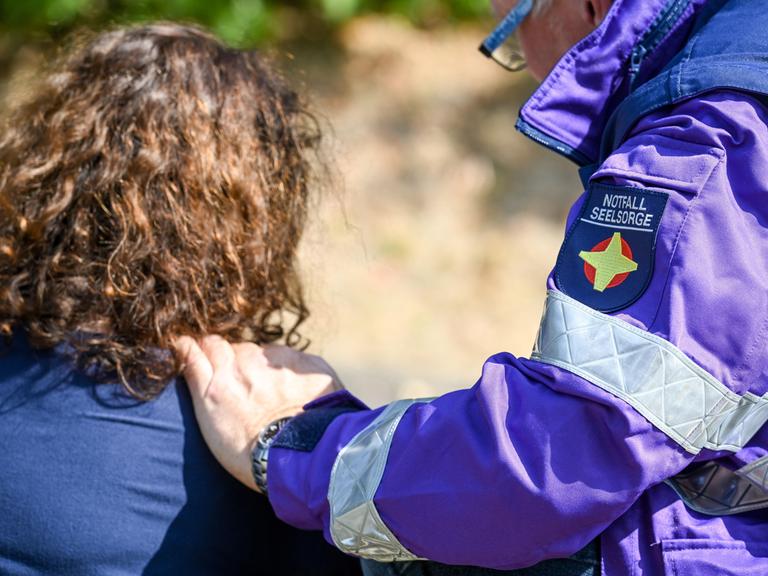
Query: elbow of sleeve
x,y
513,472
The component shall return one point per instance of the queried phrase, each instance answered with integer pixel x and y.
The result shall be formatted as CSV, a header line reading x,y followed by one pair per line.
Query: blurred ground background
x,y
429,250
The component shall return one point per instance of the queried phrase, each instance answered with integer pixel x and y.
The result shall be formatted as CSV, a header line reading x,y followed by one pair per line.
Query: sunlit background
x,y
429,250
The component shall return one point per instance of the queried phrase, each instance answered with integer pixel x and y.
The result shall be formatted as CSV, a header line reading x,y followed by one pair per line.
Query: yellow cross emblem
x,y
609,263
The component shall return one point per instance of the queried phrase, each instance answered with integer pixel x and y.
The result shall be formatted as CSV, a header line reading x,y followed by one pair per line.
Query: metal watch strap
x,y
260,453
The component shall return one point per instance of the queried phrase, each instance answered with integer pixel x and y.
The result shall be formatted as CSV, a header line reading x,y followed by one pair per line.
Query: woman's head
x,y
155,186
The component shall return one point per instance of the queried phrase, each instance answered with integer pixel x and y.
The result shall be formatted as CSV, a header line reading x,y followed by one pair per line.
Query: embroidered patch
x,y
607,258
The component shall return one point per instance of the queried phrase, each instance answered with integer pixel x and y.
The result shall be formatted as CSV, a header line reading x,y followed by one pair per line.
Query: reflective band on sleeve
x,y
716,490
356,526
657,379
757,473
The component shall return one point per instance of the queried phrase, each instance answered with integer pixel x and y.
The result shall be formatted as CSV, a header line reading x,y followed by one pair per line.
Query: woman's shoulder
x,y
98,479
47,382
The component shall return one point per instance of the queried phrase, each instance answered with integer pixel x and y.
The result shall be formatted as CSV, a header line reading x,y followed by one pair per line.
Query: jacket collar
x,y
570,109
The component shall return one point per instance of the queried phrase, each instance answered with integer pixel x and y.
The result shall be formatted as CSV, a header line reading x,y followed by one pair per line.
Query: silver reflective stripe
x,y
657,379
757,473
716,490
356,526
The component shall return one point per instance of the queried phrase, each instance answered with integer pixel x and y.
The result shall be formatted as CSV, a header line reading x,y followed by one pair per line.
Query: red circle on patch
x,y
589,270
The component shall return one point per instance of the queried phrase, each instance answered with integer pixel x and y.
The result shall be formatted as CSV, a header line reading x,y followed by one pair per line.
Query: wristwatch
x,y
261,452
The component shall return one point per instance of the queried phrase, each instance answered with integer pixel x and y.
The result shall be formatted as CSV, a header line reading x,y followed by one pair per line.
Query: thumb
x,y
197,369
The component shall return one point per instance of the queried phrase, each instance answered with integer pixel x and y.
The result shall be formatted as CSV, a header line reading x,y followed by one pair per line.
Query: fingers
x,y
212,366
249,356
198,371
203,360
185,349
220,353
279,356
300,362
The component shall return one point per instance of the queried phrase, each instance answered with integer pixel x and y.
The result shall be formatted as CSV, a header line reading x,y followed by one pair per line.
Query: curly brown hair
x,y
155,186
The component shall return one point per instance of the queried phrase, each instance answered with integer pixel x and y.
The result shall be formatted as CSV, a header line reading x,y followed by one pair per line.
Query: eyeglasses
x,y
501,45
509,56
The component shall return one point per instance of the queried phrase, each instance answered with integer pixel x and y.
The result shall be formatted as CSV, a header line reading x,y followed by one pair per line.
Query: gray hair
x,y
540,5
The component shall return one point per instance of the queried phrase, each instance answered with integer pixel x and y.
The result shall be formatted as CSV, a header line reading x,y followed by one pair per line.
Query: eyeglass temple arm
x,y
506,27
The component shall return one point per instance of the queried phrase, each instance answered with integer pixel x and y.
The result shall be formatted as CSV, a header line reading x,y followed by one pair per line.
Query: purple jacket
x,y
652,356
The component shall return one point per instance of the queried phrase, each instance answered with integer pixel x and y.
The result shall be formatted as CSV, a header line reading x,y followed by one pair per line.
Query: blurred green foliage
x,y
240,22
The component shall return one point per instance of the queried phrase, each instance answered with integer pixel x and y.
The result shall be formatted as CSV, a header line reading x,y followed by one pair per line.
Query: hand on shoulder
x,y
238,389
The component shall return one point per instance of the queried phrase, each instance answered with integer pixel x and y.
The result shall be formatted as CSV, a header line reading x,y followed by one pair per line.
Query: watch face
x,y
269,433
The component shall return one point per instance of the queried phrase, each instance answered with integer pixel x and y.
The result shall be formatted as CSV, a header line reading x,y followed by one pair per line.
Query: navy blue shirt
x,y
94,482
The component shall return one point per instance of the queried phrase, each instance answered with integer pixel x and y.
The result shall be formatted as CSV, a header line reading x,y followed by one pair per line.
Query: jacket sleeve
x,y
534,461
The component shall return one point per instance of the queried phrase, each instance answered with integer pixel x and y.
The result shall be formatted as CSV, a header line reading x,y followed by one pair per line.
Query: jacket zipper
x,y
648,42
654,36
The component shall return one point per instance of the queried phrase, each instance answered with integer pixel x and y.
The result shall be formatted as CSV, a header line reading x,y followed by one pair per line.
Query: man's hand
x,y
239,389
